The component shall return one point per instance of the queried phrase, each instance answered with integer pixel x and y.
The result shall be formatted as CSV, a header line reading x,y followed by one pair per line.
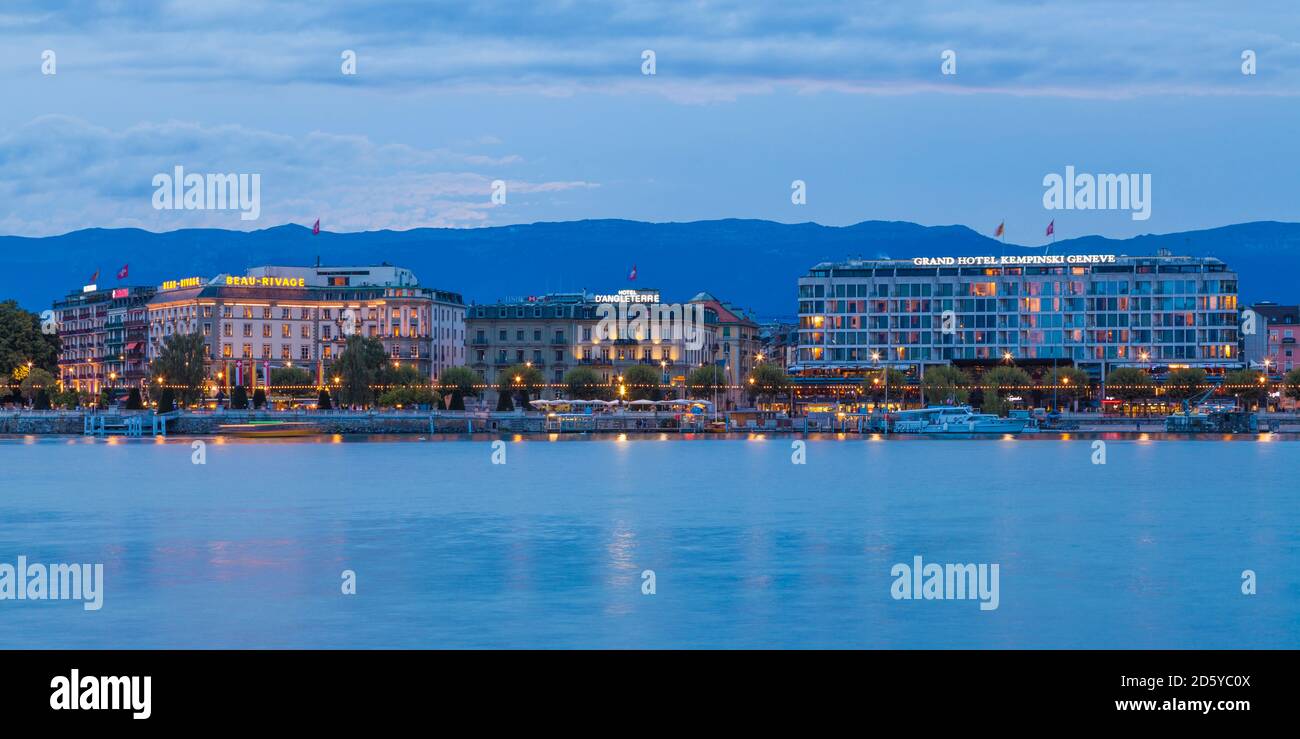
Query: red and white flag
x,y
1051,227
631,276
121,273
316,228
95,277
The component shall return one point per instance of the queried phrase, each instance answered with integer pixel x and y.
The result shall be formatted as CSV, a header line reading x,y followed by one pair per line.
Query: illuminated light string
x,y
795,386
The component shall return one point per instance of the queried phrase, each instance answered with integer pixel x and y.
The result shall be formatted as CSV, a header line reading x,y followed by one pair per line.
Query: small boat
x,y
269,429
954,419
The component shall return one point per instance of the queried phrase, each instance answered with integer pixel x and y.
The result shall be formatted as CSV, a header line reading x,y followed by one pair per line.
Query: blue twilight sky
x,y
550,97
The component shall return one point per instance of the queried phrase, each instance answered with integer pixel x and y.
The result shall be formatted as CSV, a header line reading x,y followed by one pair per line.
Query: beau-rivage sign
x,y
232,281
1013,260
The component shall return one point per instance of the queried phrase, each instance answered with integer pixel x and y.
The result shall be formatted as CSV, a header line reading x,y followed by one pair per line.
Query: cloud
x,y
62,173
705,50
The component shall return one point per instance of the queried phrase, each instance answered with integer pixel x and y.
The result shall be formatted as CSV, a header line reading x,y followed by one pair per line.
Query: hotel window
x,y
325,313
285,331
248,312
285,353
327,352
559,355
226,351
248,329
248,351
266,330
228,312
227,329
207,329
304,313
266,351
266,312
207,311
284,314
305,352
397,351
306,331
501,335
325,331
482,355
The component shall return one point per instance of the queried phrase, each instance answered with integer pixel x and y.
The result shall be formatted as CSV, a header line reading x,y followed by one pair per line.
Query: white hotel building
x,y
1095,311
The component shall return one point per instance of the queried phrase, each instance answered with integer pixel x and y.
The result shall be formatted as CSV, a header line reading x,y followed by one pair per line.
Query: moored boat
x,y
269,429
954,419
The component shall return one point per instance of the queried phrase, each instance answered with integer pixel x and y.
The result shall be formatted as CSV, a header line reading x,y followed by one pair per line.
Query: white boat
x,y
954,419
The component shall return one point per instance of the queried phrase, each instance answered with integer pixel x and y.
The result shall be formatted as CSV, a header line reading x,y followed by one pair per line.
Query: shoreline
x,y
460,424
748,436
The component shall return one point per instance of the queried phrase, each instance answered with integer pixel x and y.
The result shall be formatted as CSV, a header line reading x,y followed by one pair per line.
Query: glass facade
x,y
1133,310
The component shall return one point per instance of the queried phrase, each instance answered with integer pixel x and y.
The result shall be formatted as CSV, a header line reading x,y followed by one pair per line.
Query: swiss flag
x,y
316,228
121,273
1051,228
631,276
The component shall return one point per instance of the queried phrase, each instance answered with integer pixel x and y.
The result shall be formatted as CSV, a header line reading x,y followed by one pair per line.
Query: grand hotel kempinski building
x,y
1094,311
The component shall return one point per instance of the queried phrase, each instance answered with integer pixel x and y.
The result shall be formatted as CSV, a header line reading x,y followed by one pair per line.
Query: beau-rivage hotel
x,y
267,318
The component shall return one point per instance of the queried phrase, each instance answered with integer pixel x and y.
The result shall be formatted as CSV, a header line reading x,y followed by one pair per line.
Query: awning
x,y
134,345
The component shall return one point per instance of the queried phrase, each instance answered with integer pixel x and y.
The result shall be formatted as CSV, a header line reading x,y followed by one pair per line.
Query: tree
x,y
521,380
42,400
167,401
23,341
459,383
37,380
259,398
1129,384
584,384
946,384
180,365
642,383
767,381
69,399
238,398
704,381
1246,386
999,383
323,402
401,375
359,367
133,400
884,382
409,397
505,396
1071,383
1291,384
1184,383
294,381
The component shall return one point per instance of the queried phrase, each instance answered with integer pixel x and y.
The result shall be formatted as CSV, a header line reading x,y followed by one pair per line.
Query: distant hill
x,y
748,262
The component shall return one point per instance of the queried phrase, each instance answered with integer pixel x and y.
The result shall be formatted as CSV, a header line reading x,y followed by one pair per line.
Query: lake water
x,y
747,548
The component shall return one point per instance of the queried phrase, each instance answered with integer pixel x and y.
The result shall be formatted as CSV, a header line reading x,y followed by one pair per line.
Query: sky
x,y
550,97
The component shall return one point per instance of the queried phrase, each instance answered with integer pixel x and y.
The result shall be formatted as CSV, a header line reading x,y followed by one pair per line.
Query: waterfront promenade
x,y
390,421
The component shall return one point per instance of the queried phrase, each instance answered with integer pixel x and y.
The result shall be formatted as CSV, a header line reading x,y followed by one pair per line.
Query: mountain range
x,y
750,263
